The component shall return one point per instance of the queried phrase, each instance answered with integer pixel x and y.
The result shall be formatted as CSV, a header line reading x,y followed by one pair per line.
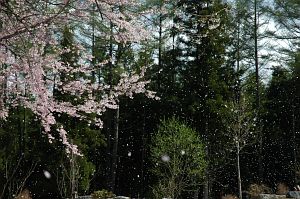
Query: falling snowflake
x,y
165,158
47,174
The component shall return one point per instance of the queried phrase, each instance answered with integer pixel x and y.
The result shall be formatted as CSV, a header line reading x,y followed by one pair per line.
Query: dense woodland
x,y
210,102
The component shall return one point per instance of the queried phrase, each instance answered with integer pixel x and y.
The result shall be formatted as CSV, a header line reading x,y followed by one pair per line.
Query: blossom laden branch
x,y
25,29
32,69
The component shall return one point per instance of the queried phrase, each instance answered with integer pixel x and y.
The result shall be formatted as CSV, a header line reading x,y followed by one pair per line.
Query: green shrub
x,y
178,157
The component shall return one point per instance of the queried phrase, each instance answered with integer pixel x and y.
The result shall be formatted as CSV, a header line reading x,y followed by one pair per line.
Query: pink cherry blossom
x,y
30,74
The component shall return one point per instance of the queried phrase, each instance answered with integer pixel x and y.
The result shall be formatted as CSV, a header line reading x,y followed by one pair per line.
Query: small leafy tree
x,y
241,132
179,159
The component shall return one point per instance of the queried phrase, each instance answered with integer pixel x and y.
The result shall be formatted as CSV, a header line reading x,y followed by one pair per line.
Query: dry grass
x,y
256,189
25,194
229,196
282,189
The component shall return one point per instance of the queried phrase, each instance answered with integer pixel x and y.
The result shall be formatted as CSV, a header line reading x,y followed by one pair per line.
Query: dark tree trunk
x,y
260,158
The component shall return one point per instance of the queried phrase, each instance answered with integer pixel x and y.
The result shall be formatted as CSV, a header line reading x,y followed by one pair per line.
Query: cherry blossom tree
x,y
31,65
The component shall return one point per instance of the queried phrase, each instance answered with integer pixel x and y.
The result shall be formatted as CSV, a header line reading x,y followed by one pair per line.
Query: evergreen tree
x,y
282,118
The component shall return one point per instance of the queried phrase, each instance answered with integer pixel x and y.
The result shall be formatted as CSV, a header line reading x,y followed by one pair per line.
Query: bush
x,y
25,194
103,194
282,189
229,196
178,157
256,189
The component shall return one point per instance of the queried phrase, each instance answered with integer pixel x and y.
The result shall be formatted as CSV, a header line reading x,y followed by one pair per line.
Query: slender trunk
x,y
207,176
256,54
143,152
207,183
294,144
109,122
159,49
115,141
20,132
238,90
3,92
196,194
260,158
24,125
239,169
21,125
238,50
160,37
206,191
205,187
93,48
113,127
72,176
110,56
173,57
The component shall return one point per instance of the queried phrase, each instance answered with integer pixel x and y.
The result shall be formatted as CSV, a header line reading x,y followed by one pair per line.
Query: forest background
x,y
228,70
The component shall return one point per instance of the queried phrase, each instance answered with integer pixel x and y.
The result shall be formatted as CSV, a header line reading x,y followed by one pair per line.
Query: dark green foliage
x,y
281,125
192,78
193,67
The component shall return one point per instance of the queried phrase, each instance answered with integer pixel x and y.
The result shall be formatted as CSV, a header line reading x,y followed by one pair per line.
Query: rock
x,y
271,196
293,194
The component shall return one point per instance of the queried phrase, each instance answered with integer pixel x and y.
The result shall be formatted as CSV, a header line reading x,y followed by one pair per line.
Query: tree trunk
x,y
294,144
205,188
113,127
260,158
239,169
73,175
238,86
206,181
196,194
115,140
93,47
159,49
